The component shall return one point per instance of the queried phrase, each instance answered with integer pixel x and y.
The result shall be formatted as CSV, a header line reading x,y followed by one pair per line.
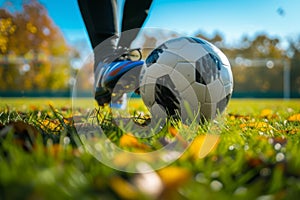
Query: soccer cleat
x,y
116,78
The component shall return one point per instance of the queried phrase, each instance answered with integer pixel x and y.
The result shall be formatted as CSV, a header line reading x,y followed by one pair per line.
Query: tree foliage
x,y
294,54
33,52
258,64
35,56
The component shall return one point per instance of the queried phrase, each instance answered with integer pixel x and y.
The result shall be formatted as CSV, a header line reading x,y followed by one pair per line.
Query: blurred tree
x,y
7,28
262,47
258,65
203,36
217,39
33,50
294,54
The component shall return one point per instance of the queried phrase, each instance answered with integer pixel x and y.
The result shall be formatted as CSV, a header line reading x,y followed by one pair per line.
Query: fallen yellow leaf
x,y
175,132
123,188
125,158
203,145
268,113
261,126
238,116
122,159
291,131
294,118
173,176
53,125
129,140
54,150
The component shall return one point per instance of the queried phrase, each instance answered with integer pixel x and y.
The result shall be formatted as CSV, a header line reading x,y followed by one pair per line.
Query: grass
x,y
254,156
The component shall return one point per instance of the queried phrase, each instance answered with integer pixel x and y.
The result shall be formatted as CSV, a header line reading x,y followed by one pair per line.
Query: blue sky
x,y
233,18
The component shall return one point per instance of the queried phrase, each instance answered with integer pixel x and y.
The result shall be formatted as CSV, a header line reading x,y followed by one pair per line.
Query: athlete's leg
x,y
100,18
134,14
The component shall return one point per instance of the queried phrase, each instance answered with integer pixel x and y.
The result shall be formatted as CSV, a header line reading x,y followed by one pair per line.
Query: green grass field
x,y
254,156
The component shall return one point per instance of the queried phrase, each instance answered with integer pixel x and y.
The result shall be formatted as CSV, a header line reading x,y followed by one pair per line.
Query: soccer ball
x,y
186,77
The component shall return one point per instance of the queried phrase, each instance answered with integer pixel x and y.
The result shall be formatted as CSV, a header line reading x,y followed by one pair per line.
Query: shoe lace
x,y
128,54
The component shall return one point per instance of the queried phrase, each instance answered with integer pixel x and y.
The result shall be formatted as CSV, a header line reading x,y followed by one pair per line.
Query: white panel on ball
x,y
177,43
214,91
208,110
157,70
191,52
187,69
168,58
200,91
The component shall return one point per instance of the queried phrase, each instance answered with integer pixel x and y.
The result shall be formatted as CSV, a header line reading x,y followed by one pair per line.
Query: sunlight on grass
x,y
254,156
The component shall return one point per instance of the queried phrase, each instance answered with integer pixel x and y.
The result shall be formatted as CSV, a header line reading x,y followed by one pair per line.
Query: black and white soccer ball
x,y
186,77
